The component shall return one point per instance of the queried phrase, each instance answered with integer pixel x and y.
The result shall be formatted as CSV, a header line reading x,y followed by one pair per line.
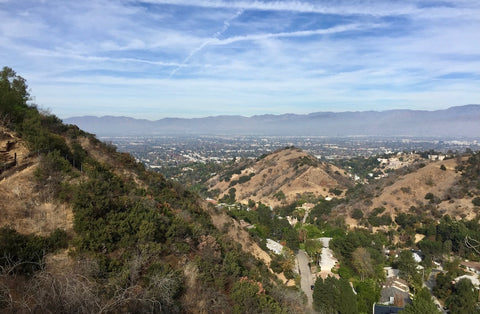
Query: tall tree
x,y
362,261
422,304
13,96
368,292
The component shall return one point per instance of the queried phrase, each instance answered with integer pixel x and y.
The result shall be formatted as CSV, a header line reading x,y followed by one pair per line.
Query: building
x,y
391,272
395,291
386,309
274,246
473,267
473,279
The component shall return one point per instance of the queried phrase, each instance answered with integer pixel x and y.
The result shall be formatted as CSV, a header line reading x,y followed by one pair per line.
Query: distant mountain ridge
x,y
454,122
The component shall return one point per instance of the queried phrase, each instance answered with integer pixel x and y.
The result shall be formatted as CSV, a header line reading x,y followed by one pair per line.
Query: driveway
x,y
327,261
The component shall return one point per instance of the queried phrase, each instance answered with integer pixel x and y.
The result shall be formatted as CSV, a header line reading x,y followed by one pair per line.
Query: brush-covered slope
x,y
425,189
280,177
85,229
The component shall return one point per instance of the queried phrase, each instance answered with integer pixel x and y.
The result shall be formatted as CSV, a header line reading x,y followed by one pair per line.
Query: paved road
x,y
430,283
306,275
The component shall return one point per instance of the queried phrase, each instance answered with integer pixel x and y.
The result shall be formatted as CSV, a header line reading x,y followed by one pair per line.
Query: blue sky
x,y
192,58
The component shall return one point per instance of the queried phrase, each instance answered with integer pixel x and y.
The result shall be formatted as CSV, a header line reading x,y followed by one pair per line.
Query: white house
x,y
473,279
274,246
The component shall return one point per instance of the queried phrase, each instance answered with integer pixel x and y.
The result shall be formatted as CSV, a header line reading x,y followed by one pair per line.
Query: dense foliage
x,y
360,253
268,225
334,296
24,254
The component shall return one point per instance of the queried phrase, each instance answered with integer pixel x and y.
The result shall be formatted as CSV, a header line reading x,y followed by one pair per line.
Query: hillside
x,y
425,189
85,229
24,206
280,178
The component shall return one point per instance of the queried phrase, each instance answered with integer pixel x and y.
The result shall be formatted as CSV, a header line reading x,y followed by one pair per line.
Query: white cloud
x,y
222,56
323,7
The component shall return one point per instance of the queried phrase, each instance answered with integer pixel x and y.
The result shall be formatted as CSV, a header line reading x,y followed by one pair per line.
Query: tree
x,y
447,247
463,298
334,296
476,201
313,247
291,237
362,261
442,288
13,96
230,197
368,292
408,269
422,304
357,214
406,264
249,297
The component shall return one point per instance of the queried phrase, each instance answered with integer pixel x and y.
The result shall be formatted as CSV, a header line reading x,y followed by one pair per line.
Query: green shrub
x,y
357,214
476,201
25,253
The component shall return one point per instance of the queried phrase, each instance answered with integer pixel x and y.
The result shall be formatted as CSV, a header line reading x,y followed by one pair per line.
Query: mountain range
x,y
454,122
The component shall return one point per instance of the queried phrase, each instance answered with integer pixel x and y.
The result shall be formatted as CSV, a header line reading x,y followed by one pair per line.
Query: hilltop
x,y
280,178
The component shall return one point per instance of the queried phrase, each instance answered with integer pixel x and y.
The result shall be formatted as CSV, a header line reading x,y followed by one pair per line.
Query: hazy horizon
x,y
262,114
181,58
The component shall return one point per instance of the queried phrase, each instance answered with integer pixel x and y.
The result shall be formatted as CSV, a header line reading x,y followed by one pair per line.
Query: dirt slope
x,y
291,171
22,205
411,189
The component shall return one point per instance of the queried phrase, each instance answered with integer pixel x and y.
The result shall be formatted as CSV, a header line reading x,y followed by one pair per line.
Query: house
x,y
211,200
391,272
473,267
292,220
436,157
417,255
473,279
386,309
395,291
274,246
308,206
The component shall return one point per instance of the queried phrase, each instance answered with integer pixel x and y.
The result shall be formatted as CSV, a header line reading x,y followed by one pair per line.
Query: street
x,y
306,275
430,283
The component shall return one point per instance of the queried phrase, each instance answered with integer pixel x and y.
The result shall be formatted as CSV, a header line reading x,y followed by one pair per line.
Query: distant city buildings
x,y
156,152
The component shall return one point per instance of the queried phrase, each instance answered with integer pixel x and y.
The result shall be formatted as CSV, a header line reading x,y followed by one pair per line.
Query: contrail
x,y
226,25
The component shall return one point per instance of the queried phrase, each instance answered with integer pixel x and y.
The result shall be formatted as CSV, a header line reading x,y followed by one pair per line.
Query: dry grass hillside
x,y
282,177
24,206
430,189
